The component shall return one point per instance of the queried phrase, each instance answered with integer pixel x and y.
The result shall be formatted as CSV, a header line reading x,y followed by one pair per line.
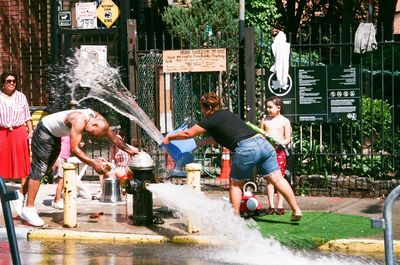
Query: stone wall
x,y
344,186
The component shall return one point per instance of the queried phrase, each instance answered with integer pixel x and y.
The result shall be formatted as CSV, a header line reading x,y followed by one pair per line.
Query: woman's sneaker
x,y
58,205
31,216
18,203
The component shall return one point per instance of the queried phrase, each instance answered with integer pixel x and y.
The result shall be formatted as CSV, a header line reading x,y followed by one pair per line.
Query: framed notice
x,y
324,94
95,52
194,60
86,16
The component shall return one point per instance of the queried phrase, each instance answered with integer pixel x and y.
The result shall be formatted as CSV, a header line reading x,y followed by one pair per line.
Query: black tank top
x,y
226,128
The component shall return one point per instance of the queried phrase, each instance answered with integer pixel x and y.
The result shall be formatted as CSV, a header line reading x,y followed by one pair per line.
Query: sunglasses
x,y
10,81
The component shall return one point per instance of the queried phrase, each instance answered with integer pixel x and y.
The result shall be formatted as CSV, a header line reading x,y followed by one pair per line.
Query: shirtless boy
x,y
277,127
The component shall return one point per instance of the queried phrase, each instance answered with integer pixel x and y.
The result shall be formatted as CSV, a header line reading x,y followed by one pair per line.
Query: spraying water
x,y
86,78
241,243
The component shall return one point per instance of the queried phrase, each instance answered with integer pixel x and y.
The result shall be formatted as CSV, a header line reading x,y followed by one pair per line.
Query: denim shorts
x,y
252,153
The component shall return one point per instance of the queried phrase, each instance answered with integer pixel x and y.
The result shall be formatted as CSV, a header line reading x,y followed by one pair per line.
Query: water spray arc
x,y
86,79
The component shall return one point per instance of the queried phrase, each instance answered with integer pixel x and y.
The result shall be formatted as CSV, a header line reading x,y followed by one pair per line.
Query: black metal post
x,y
123,33
6,197
250,76
55,46
241,86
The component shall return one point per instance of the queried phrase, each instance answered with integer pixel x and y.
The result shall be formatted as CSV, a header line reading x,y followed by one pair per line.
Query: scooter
x,y
250,206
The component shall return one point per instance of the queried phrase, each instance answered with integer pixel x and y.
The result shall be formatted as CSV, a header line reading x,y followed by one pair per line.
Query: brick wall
x,y
24,45
396,22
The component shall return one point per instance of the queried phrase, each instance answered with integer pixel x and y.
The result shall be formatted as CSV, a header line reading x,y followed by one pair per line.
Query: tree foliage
x,y
296,13
262,15
206,20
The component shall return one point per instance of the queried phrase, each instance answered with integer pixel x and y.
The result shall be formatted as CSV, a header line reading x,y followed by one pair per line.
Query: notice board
x,y
194,60
328,94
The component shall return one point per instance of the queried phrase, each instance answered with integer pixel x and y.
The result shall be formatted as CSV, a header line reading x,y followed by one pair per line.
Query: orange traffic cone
x,y
225,165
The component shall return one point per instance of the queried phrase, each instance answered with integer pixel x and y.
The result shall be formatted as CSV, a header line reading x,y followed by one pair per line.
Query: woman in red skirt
x,y
15,132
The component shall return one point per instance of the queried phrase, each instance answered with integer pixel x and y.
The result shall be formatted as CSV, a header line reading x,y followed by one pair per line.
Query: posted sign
x,y
108,12
320,94
64,18
95,52
86,15
195,60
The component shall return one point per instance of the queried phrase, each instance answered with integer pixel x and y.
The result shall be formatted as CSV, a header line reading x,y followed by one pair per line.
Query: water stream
x,y
241,242
86,78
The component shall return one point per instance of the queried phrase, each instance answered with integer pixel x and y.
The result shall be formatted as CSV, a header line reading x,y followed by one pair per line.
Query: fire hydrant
x,y
142,166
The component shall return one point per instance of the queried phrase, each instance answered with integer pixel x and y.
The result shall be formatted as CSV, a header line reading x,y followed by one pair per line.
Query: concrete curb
x,y
196,239
96,236
20,232
121,237
359,245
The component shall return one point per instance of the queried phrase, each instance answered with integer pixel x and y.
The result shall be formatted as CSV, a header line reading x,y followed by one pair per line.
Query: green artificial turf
x,y
315,228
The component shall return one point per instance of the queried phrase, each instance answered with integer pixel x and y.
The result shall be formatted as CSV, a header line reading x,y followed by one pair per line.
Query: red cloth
x,y
65,151
15,159
281,157
122,158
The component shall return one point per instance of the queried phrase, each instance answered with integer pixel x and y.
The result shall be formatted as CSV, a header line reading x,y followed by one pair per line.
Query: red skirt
x,y
15,161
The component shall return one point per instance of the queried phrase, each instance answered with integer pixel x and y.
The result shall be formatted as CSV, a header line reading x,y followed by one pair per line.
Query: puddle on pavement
x,y
71,252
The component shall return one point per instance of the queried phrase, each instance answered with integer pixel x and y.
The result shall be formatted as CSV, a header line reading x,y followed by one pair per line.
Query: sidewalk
x,y
109,221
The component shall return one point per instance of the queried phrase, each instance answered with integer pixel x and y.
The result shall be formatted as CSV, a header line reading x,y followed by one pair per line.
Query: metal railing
x,y
6,197
347,158
386,224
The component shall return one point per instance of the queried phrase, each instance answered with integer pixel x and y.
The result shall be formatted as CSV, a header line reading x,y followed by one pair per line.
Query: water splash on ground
x,y
243,243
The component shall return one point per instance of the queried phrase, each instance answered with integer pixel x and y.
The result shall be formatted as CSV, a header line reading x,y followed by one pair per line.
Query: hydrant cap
x,y
141,161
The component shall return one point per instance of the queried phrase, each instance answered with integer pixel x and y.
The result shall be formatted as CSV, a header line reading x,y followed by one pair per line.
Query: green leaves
x,y
191,21
362,148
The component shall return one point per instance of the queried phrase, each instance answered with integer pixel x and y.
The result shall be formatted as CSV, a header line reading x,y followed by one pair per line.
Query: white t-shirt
x,y
55,122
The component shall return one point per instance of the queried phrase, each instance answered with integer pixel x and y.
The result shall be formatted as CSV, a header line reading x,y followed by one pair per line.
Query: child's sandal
x,y
280,211
270,211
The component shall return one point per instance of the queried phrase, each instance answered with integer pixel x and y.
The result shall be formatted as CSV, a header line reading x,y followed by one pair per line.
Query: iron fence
x,y
359,157
356,157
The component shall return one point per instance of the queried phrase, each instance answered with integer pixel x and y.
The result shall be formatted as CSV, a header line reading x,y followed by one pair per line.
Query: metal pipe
x,y
387,216
6,197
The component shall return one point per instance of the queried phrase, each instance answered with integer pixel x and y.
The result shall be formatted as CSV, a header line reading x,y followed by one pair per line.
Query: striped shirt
x,y
14,110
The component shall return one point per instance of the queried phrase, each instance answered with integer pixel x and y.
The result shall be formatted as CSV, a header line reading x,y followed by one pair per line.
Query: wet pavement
x,y
111,221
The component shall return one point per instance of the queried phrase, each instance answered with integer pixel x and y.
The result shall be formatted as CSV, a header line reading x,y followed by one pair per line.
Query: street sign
x,y
107,12
86,15
64,18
